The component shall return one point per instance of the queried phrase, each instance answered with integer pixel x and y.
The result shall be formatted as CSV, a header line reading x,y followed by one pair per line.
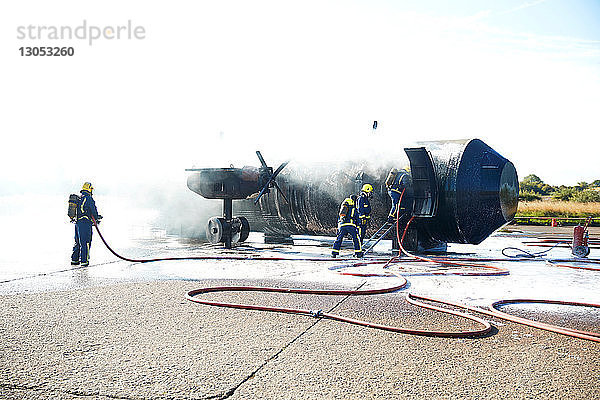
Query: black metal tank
x,y
477,192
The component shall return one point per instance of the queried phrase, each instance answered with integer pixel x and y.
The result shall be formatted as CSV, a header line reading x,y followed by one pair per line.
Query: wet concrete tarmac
x,y
50,268
119,329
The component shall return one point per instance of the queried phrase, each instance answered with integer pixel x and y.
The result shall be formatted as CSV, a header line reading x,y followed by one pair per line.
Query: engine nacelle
x,y
478,191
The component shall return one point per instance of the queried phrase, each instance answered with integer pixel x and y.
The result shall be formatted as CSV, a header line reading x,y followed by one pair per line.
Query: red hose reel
x,y
580,246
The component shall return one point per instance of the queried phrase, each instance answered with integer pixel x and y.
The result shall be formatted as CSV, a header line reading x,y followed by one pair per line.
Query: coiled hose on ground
x,y
410,297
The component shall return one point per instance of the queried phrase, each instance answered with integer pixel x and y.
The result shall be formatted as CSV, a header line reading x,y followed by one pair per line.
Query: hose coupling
x,y
317,314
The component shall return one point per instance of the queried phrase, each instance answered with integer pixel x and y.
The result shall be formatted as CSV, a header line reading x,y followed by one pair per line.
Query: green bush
x,y
533,184
564,194
586,196
528,195
533,188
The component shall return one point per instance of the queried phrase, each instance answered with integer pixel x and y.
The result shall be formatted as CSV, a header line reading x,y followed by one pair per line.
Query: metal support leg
x,y
228,215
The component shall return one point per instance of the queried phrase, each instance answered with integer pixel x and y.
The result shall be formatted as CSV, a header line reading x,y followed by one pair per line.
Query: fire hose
x,y
243,258
410,297
494,312
486,327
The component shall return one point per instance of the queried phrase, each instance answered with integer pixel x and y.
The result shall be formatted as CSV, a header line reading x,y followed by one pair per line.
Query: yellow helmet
x,y
87,186
349,201
367,188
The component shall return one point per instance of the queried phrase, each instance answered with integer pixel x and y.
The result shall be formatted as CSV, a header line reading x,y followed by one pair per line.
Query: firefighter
x,y
396,182
363,206
348,225
86,209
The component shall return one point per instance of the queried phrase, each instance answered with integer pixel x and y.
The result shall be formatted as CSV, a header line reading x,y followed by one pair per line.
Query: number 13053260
x,y
47,51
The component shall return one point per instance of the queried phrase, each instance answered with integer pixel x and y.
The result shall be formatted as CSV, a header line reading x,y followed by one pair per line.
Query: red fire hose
x,y
494,312
499,314
486,327
411,298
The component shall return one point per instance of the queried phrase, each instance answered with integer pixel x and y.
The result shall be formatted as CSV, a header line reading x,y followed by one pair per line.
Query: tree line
x,y
532,188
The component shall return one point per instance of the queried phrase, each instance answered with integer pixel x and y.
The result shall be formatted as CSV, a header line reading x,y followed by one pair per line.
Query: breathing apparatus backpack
x,y
391,178
346,208
74,201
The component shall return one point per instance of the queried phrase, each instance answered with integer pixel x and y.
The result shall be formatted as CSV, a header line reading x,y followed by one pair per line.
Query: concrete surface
x,y
120,330
146,341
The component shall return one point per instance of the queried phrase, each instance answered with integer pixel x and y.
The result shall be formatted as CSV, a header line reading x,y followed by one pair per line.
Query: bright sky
x,y
297,78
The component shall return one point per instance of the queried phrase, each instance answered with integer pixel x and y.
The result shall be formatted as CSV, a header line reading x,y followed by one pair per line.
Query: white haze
x,y
215,81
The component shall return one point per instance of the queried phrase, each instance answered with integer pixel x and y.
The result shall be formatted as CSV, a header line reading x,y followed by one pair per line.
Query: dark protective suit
x,y
363,206
402,203
395,192
83,229
347,225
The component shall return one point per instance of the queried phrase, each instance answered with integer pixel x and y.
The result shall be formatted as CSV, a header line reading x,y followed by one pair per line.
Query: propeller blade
x,y
278,170
264,189
280,192
262,160
271,181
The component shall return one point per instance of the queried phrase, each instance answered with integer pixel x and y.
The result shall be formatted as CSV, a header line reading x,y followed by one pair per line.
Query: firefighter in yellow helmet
x,y
363,206
86,210
347,225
